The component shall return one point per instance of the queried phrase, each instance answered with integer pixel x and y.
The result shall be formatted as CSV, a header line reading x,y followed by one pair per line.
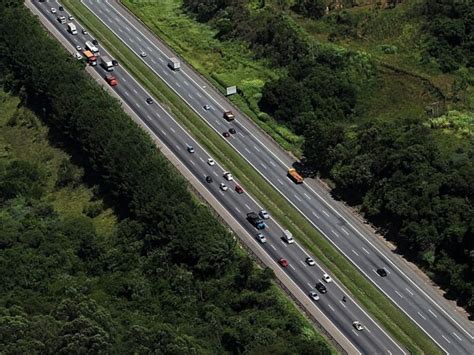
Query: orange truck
x,y
297,178
91,58
111,80
229,115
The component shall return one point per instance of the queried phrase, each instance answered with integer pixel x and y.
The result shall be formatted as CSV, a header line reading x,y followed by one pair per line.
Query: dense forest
x,y
169,279
405,177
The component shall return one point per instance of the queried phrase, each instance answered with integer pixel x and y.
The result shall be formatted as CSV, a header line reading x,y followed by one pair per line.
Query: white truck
x,y
174,63
91,47
106,63
288,236
72,28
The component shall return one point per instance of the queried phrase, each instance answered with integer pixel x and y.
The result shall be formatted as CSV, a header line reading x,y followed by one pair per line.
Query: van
x,y
288,237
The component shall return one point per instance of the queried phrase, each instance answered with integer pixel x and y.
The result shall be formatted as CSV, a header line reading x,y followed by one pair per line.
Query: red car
x,y
283,262
238,189
226,134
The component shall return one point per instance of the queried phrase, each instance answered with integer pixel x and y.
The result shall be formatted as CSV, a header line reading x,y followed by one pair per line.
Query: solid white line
x,y
355,252
327,214
366,251
434,315
399,294
446,339
421,315
457,336
408,290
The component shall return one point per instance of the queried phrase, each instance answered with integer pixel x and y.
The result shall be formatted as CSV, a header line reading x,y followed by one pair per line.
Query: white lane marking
x,y
124,80
238,211
153,61
263,166
332,309
247,206
190,96
273,163
120,30
273,246
246,149
193,163
126,93
355,332
139,39
355,252
399,294
304,264
342,304
421,315
166,73
281,182
201,159
408,290
457,336
240,134
177,84
198,94
344,230
127,28
256,148
292,267
164,133
185,83
327,214
135,91
314,214
173,130
159,116
161,59
434,315
296,196
131,40
335,233
149,117
307,196
445,338
309,284
138,105
177,147
367,329
366,251
148,48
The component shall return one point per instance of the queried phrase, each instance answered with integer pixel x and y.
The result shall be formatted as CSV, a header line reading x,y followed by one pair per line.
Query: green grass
x,y
388,315
27,139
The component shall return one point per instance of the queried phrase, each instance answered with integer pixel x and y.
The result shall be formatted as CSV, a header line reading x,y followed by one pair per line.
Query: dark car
x,y
149,100
232,130
94,42
321,288
382,272
61,8
283,262
114,63
226,134
238,189
208,179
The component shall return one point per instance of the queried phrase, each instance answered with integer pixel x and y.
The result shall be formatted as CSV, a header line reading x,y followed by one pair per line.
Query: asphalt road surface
x,y
449,331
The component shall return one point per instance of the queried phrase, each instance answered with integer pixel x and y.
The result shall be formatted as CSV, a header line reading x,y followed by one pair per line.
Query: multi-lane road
x,y
449,330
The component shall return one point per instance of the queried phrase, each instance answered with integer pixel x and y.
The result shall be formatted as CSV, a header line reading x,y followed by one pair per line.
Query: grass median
x,y
391,318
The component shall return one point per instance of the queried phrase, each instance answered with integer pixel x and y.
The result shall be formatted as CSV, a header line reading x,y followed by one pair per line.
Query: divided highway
x,y
452,333
341,313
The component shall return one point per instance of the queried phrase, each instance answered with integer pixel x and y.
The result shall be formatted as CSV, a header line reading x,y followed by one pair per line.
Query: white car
x,y
314,296
211,162
264,214
78,56
310,261
71,17
207,107
53,10
223,186
261,238
78,47
142,54
228,176
84,32
327,278
356,324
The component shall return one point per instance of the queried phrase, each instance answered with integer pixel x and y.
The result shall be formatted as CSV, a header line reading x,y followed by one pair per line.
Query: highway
x,y
372,339
450,331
